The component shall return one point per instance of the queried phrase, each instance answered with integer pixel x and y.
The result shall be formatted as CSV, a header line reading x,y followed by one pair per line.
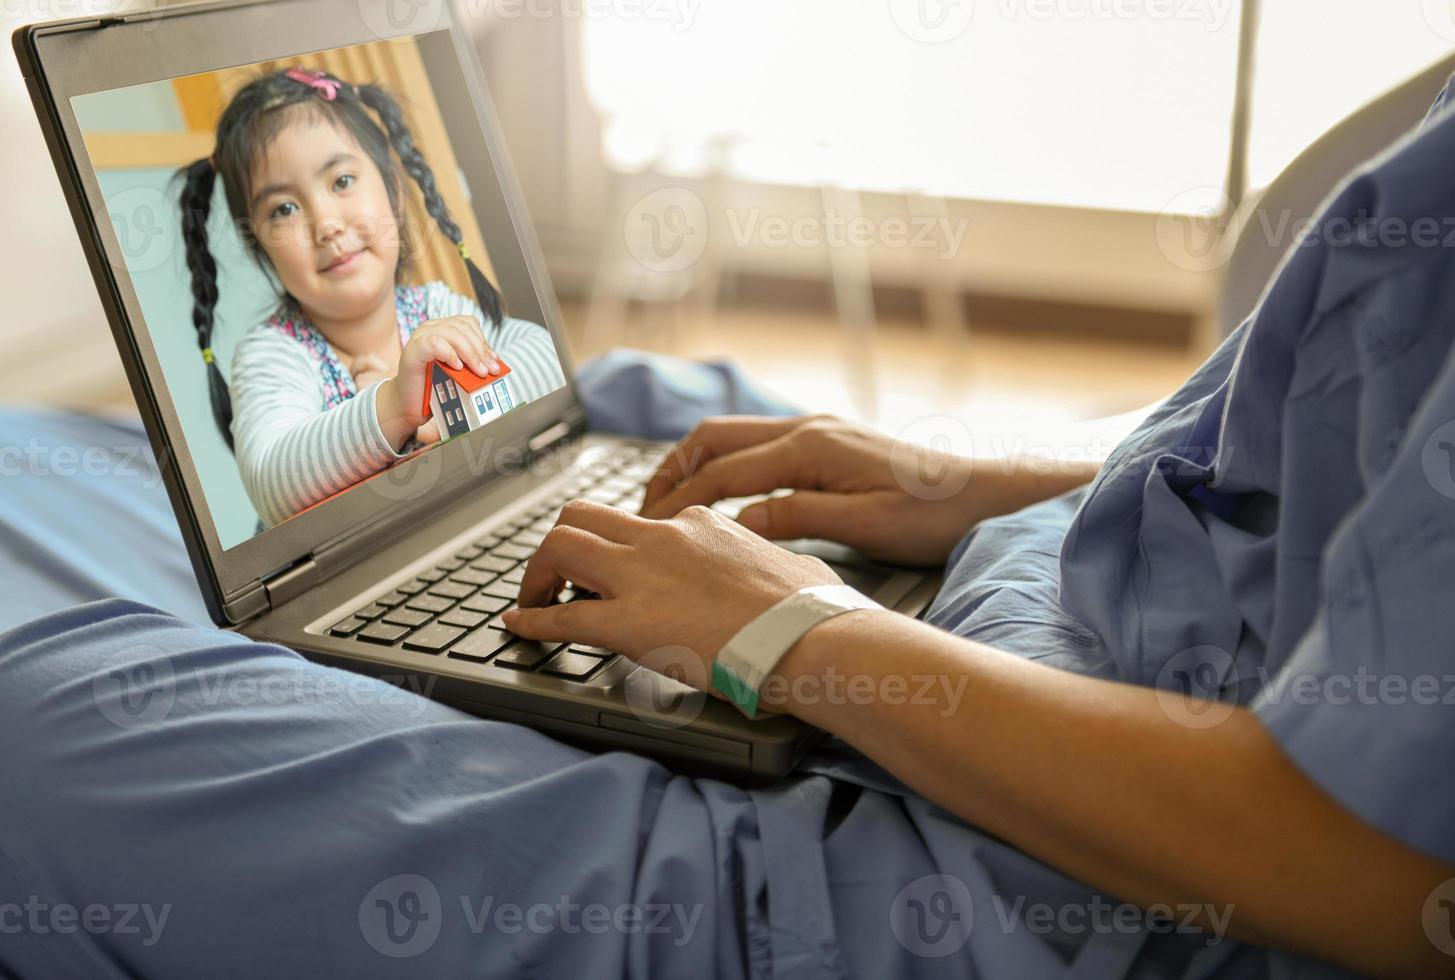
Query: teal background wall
x,y
145,213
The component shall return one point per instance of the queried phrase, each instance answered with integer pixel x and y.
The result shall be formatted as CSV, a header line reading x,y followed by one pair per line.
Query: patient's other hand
x,y
891,499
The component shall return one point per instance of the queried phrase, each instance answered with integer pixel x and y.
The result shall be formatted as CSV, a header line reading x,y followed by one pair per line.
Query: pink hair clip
x,y
327,87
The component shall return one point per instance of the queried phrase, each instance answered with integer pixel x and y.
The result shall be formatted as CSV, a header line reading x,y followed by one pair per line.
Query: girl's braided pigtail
x,y
196,202
383,104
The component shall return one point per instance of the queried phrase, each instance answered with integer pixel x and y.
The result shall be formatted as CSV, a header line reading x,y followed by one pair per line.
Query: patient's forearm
x,y
1097,779
1037,478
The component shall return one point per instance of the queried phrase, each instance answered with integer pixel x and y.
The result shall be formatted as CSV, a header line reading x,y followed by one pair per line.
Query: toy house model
x,y
461,400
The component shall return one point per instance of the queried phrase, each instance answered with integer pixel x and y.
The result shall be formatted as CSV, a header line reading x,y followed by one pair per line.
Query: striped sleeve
x,y
525,346
291,452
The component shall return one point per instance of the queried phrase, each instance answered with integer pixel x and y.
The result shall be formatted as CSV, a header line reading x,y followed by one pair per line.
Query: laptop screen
x,y
320,293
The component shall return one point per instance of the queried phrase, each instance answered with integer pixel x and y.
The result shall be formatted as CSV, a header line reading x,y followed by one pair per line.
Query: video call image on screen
x,y
322,307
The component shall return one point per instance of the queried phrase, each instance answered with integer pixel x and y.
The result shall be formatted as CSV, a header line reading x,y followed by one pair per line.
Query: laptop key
x,y
470,554
572,665
406,617
431,603
487,542
491,563
463,617
431,576
452,590
372,611
514,575
391,599
413,587
528,539
450,565
485,603
481,645
473,577
526,654
505,590
347,627
594,651
434,638
386,633
513,551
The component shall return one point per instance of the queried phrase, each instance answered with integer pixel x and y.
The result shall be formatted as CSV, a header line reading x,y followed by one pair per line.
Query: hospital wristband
x,y
750,656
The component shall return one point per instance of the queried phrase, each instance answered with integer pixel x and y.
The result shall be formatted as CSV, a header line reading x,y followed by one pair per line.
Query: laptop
x,y
402,574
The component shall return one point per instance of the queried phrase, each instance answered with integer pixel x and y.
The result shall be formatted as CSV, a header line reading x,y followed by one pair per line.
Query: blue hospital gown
x,y
1278,533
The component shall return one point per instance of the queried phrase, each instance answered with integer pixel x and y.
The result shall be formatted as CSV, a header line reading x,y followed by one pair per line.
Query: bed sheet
x,y
263,814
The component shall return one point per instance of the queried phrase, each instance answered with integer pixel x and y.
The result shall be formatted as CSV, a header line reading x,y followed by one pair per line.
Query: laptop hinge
x,y
289,585
546,438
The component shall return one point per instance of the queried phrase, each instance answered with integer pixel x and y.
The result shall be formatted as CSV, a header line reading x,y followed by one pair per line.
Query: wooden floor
x,y
1015,390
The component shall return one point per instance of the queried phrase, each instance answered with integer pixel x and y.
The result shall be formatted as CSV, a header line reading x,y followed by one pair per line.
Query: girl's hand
x,y
454,340
692,581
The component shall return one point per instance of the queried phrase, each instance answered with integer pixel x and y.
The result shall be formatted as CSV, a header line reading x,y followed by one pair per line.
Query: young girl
x,y
328,390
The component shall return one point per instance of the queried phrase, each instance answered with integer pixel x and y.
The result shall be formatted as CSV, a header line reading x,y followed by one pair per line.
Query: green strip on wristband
x,y
737,690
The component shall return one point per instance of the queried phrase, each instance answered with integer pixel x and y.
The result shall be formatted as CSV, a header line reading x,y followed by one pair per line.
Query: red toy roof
x,y
467,380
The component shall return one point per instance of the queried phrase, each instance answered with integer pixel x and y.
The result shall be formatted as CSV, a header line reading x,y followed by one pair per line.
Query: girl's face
x,y
321,214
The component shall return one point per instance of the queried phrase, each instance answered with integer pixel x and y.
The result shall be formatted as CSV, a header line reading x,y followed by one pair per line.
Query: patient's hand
x,y
692,581
891,499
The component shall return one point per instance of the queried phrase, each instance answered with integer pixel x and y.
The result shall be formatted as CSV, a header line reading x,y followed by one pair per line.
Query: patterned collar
x,y
338,383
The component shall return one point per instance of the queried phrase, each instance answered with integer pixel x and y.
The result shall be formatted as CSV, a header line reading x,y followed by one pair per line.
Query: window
x,y
1068,102
1301,88
454,393
439,391
1071,102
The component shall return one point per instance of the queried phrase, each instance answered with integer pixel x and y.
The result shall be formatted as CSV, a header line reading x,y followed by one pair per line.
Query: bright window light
x,y
1122,104
1319,60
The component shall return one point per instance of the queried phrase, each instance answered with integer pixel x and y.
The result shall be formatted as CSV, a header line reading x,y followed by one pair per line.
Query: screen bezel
x,y
184,41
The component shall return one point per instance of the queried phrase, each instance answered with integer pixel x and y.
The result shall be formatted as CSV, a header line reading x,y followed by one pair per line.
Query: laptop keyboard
x,y
453,610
